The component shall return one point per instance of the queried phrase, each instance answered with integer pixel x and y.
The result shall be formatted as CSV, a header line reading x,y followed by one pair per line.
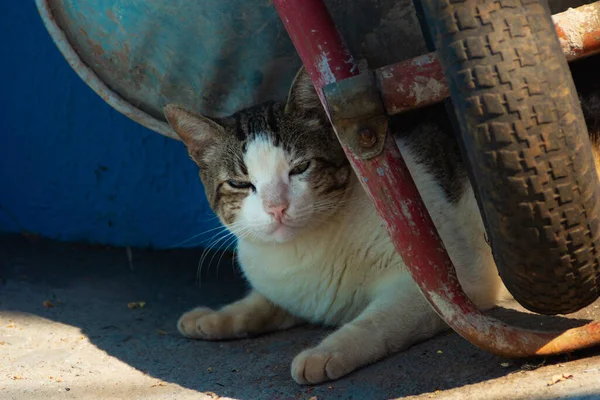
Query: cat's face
x,y
270,171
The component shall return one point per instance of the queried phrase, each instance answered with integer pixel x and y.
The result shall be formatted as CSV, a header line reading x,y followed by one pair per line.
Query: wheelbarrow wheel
x,y
524,138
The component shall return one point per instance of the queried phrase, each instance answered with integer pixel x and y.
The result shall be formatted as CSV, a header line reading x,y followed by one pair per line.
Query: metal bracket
x,y
358,114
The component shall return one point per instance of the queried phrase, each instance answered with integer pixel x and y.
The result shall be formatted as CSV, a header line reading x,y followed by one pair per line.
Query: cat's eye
x,y
300,168
240,184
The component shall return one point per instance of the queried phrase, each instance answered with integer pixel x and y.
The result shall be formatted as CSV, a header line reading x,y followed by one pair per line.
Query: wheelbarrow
x,y
519,125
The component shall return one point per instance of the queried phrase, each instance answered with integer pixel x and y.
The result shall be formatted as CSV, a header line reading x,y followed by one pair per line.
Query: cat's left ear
x,y
200,134
302,95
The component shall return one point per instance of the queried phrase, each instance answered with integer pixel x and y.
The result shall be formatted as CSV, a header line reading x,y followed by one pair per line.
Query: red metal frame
x,y
317,41
391,188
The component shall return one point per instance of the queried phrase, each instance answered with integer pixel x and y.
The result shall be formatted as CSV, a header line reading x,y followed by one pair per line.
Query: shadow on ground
x,y
90,288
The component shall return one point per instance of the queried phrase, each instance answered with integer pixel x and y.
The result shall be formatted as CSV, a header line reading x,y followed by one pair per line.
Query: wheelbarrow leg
x,y
385,177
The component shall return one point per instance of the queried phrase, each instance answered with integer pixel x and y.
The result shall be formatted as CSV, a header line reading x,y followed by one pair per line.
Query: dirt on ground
x,y
89,322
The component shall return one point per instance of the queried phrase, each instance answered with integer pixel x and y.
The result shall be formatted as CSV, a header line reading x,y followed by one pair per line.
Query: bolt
x,y
366,138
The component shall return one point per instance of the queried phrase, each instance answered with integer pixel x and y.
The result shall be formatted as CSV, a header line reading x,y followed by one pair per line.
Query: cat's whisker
x,y
230,239
205,251
209,248
247,227
242,234
211,218
218,228
196,236
234,255
229,243
223,243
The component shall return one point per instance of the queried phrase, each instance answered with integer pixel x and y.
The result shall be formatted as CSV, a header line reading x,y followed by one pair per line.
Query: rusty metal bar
x,y
388,183
420,81
414,83
578,30
317,41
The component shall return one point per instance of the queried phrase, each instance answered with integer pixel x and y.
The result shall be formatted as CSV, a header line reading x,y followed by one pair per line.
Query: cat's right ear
x,y
199,134
302,95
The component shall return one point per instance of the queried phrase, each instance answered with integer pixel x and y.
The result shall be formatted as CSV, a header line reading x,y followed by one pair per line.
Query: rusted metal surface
x,y
367,138
413,83
358,114
579,30
388,183
420,81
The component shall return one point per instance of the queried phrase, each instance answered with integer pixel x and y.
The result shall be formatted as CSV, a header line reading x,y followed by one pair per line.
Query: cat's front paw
x,y
188,324
205,323
318,365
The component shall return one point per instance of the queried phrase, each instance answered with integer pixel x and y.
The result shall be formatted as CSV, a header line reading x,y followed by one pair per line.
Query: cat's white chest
x,y
310,285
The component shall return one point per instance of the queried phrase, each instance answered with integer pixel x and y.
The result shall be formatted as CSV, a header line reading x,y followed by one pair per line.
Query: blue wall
x,y
74,169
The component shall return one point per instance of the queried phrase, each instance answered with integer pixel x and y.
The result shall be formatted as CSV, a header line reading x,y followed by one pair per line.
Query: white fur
x,y
269,168
345,272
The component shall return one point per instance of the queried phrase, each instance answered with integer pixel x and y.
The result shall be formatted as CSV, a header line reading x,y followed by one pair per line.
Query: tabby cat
x,y
309,240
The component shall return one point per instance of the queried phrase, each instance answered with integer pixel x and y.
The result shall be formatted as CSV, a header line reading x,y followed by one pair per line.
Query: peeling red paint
x,y
413,83
591,42
322,49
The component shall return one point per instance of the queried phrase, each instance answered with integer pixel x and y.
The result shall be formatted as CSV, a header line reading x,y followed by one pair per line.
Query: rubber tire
x,y
527,147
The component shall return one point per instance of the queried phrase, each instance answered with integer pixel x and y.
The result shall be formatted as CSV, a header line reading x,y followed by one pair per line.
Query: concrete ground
x,y
66,331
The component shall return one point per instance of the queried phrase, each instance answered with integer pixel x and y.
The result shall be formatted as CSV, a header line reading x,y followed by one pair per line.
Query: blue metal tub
x,y
214,56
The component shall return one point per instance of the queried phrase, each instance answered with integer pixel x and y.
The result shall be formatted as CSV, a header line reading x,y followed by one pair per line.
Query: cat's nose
x,y
277,210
